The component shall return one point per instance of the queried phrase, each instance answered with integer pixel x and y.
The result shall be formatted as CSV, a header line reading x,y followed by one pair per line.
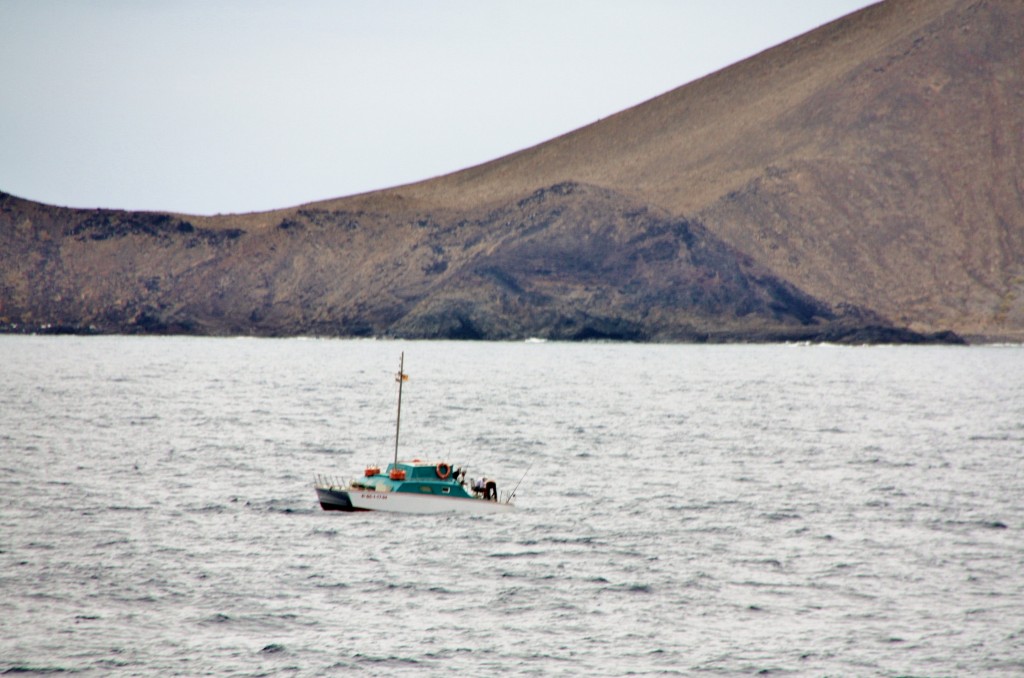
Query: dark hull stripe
x,y
337,507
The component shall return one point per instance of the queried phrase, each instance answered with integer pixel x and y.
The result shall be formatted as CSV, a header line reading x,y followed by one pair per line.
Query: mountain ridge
x,y
565,262
868,169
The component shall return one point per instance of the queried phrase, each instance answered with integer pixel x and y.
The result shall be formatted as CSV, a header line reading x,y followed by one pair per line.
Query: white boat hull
x,y
336,499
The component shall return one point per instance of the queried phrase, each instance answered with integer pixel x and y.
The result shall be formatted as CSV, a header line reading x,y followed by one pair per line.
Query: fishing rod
x,y
513,493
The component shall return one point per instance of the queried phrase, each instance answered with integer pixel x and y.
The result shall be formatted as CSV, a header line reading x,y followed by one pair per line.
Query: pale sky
x,y
207,106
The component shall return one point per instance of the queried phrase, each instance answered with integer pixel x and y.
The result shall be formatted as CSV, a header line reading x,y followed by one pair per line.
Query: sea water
x,y
682,509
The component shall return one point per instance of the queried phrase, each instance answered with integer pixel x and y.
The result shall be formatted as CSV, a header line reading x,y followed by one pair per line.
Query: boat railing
x,y
330,482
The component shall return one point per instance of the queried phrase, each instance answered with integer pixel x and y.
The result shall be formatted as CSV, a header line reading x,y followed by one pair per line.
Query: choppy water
x,y
709,510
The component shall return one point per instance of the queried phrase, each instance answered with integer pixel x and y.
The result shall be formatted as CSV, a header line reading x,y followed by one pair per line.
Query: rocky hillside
x,y
569,261
860,179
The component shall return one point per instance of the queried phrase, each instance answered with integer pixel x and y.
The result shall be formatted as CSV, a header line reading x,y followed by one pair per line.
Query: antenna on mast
x,y
400,377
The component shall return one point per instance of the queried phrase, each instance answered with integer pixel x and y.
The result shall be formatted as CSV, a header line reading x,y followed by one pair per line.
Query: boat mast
x,y
400,377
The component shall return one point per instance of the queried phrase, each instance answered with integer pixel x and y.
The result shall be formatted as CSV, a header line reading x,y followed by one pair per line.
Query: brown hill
x,y
876,161
868,170
566,262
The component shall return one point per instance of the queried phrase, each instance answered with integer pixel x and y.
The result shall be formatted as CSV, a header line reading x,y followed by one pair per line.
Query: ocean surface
x,y
685,510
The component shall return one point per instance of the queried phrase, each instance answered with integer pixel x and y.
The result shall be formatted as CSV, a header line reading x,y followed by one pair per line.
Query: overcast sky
x,y
206,106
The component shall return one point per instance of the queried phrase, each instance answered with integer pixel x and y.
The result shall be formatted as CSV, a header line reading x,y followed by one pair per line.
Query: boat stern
x,y
334,499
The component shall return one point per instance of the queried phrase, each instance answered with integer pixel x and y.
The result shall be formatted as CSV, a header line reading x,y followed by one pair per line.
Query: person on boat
x,y
487,487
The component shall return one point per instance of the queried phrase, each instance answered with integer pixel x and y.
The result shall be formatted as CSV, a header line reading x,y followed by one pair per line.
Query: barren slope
x,y
875,161
566,262
866,172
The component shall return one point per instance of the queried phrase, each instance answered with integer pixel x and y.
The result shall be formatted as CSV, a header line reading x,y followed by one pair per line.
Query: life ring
x,y
443,470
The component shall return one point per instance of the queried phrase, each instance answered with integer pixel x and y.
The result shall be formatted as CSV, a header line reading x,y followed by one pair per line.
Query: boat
x,y
412,486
